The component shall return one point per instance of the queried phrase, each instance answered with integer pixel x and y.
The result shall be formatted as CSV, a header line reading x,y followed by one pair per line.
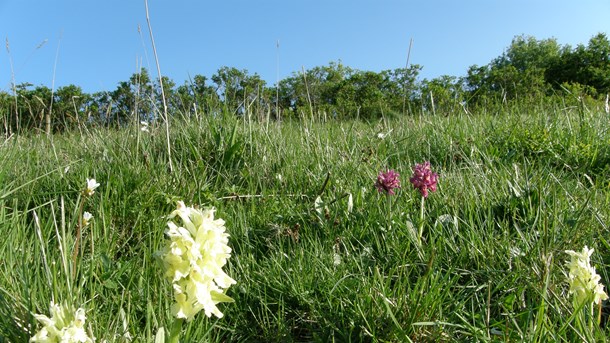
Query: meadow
x,y
318,253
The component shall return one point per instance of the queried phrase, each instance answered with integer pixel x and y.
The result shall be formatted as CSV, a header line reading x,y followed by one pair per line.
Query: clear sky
x,y
96,44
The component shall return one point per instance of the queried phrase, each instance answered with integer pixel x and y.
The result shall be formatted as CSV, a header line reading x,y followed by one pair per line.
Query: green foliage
x,y
240,92
531,68
516,189
443,94
518,73
587,66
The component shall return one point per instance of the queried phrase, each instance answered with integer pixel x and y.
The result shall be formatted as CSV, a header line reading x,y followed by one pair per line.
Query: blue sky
x,y
96,44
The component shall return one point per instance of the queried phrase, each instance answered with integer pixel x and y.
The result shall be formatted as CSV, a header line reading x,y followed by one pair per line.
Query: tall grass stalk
x,y
165,114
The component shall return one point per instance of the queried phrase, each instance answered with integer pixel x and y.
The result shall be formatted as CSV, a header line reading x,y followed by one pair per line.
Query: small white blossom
x,y
336,259
318,204
383,135
91,186
87,218
350,203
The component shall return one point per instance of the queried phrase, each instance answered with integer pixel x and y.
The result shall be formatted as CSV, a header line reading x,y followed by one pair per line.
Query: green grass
x,y
516,189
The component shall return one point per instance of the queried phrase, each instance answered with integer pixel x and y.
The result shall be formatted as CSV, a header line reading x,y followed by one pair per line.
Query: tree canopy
x,y
528,70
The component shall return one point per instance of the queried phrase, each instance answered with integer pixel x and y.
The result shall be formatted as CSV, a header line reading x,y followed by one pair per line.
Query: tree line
x,y
527,71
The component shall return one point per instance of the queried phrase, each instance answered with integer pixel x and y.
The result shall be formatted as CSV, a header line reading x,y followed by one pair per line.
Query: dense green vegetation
x,y
517,188
527,71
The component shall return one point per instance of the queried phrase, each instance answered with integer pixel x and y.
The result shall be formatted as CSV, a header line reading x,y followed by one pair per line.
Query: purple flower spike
x,y
424,179
387,182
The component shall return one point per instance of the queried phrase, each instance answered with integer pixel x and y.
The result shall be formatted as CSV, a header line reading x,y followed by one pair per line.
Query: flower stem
x,y
174,333
79,226
592,317
421,221
389,214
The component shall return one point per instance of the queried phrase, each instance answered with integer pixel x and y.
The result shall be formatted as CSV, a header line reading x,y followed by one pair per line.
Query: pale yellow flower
x,y
65,325
193,261
583,279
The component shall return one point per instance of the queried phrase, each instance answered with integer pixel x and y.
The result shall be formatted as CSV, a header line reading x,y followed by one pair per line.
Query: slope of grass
x,y
515,191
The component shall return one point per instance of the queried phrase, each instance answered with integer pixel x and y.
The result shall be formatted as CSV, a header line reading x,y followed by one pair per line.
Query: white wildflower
x,y
193,261
91,186
350,203
65,325
383,135
583,279
319,206
87,217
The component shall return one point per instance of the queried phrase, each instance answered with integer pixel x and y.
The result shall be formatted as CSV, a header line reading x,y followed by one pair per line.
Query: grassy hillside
x,y
516,189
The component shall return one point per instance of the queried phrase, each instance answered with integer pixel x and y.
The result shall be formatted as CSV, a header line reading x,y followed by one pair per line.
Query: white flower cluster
x,y
583,279
193,261
65,325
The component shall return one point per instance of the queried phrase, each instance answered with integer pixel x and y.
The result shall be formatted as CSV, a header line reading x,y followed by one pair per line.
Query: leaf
x,y
160,336
221,297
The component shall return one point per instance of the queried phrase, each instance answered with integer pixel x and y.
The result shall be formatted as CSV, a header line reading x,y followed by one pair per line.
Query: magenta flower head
x,y
387,182
424,179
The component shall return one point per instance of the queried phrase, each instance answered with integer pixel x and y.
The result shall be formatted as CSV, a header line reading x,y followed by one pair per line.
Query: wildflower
x,y
193,261
583,279
318,204
424,179
336,259
65,325
144,127
350,203
91,186
382,135
87,218
387,182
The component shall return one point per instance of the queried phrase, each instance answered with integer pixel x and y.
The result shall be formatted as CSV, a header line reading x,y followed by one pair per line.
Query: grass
x,y
516,189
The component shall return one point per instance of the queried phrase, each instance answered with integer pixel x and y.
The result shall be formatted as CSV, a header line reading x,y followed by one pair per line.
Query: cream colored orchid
x,y
193,261
583,279
65,325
